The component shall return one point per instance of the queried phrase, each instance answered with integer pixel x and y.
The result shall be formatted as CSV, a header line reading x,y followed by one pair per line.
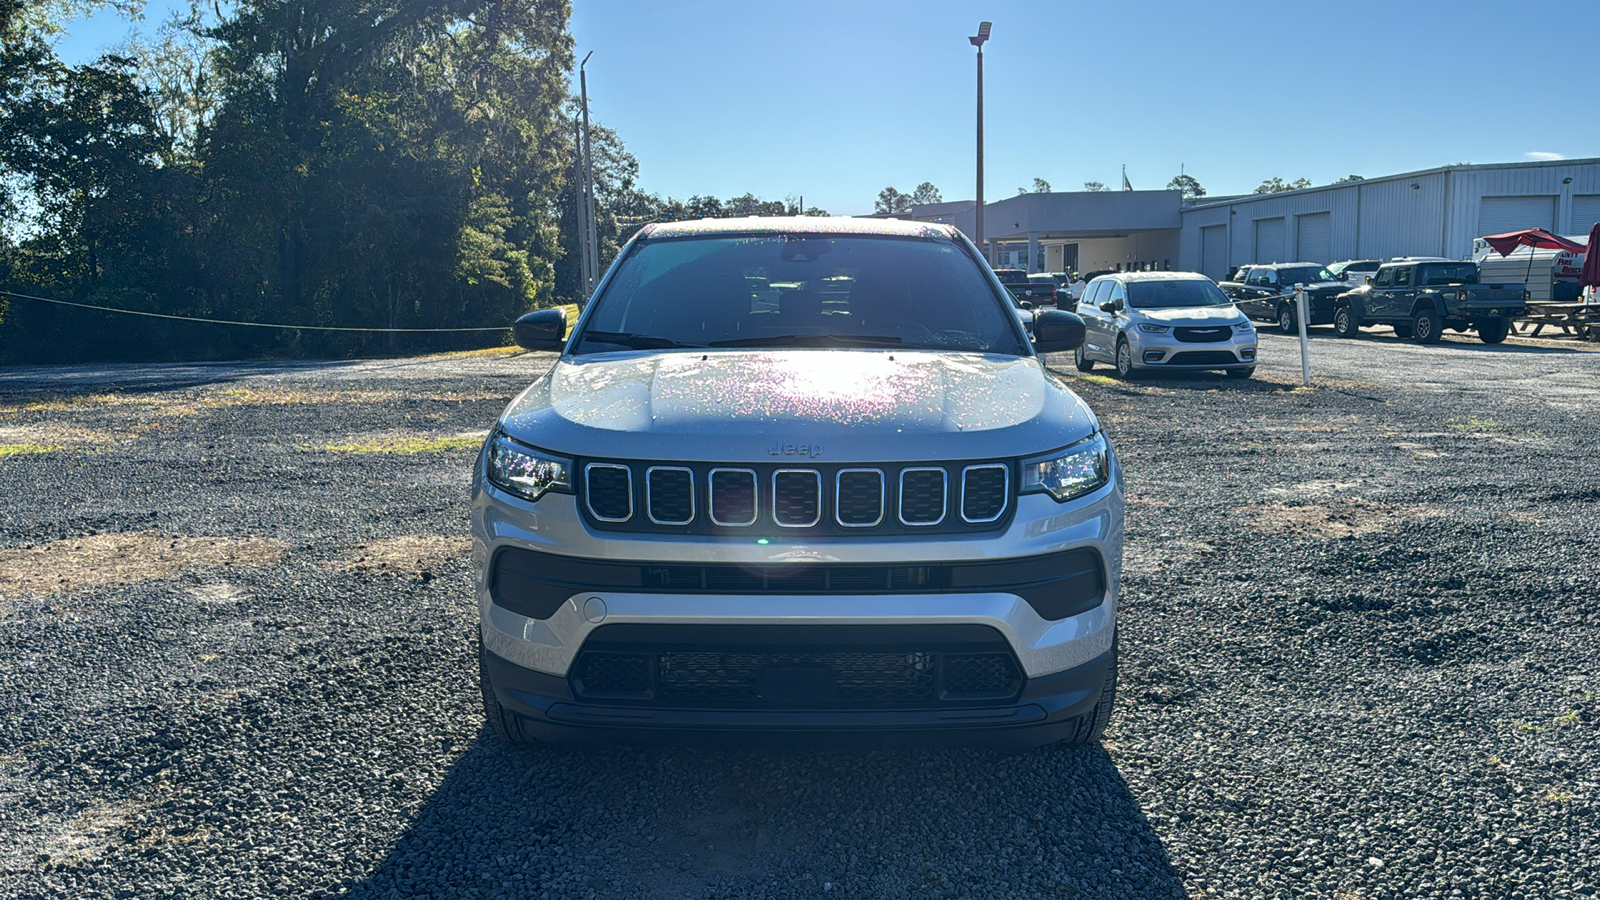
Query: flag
x,y
1125,184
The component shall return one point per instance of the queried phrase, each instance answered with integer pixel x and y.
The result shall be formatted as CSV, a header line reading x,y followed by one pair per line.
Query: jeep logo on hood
x,y
791,449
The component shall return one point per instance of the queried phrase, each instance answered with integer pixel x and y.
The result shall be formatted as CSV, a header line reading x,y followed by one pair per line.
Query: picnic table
x,y
1581,319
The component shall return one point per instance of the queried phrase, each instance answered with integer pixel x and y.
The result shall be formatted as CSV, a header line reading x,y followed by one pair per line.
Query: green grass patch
x,y
28,449
1098,379
408,445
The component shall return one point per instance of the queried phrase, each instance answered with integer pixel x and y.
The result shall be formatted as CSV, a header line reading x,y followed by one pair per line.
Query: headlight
x,y
1081,469
1153,329
525,471
1244,328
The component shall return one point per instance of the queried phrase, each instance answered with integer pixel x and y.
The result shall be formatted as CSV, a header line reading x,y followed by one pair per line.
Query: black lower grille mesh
x,y
983,493
822,679
1203,358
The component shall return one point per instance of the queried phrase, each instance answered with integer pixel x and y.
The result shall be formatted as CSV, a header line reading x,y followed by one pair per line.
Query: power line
x,y
156,315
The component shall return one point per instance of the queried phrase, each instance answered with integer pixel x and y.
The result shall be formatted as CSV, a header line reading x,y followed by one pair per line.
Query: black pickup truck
x,y
1266,292
1421,298
1039,293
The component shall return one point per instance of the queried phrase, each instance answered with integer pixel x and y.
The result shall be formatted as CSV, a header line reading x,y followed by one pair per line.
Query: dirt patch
x,y
417,555
1347,517
188,403
60,567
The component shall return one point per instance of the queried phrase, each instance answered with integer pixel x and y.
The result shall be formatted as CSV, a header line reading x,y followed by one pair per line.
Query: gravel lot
x,y
1360,656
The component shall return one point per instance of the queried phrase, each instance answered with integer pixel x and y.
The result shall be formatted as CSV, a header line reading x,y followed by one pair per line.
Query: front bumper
x,y
1164,351
1047,709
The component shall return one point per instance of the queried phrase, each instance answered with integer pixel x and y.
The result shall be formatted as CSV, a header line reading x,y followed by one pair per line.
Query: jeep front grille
x,y
710,499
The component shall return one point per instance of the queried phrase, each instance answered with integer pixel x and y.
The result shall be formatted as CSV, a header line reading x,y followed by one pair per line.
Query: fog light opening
x,y
1154,355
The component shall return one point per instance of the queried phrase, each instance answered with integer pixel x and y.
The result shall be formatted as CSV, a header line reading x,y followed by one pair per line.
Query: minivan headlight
x,y
1147,328
1243,328
526,472
1081,469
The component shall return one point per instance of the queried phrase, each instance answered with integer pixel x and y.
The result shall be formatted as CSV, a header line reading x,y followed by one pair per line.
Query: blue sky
x,y
836,100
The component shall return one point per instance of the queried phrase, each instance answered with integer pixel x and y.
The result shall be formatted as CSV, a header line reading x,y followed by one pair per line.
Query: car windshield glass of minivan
x,y
779,291
1175,294
1305,275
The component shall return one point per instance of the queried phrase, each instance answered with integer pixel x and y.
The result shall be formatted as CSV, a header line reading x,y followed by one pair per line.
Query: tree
x,y
1094,186
1349,178
1277,185
1188,185
1040,186
925,194
891,202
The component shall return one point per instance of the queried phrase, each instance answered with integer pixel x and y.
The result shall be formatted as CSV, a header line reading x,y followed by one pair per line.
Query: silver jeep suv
x,y
849,506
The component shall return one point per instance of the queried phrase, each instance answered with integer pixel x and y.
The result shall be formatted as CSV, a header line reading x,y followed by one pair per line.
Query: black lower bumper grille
x,y
836,677
1203,358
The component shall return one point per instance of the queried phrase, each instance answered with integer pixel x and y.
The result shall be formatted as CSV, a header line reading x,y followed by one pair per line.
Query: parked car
x,y
1045,279
880,519
1026,290
1355,272
1266,292
1163,320
1421,298
1070,284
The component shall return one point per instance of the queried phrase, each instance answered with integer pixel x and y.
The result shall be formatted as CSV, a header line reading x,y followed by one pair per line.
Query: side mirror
x,y
1057,331
1027,304
542,329
1110,306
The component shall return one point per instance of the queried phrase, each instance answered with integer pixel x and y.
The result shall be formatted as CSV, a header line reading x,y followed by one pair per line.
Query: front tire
x,y
1082,360
1125,368
505,724
1345,323
1493,331
1286,322
1425,326
1092,727
1241,373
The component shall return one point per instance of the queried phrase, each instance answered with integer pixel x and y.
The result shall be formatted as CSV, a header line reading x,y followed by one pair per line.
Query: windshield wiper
x,y
814,340
635,341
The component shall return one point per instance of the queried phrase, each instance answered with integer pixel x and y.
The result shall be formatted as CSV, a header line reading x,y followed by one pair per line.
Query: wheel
x,y
1402,330
1241,373
1092,726
504,723
1493,331
1345,323
1425,326
1124,359
1081,360
1286,323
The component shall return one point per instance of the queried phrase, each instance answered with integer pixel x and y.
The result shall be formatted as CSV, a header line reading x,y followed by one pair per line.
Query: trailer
x,y
1551,275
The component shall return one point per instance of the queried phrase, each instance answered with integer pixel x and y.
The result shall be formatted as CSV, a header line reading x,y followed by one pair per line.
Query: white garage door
x,y
1269,241
1498,215
1313,239
1214,251
1585,212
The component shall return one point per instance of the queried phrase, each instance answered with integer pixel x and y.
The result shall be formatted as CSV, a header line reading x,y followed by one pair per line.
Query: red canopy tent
x,y
1506,244
1590,277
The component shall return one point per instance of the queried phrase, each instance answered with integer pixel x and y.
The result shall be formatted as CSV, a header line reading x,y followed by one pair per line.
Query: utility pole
x,y
977,41
591,252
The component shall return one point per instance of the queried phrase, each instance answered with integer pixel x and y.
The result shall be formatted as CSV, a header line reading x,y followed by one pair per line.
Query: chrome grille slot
x,y
922,495
609,491
669,495
797,497
733,497
984,492
858,497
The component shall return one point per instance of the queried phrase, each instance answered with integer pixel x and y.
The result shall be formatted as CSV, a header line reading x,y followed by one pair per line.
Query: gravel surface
x,y
1359,656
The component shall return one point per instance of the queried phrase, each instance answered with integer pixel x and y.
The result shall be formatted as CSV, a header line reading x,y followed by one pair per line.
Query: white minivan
x,y
1163,320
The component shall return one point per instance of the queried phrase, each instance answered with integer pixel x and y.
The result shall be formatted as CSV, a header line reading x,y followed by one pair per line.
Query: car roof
x,y
1286,265
1131,277
1403,260
838,225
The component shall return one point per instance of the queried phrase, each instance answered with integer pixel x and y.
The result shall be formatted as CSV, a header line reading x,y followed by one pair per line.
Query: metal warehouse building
x,y
1436,212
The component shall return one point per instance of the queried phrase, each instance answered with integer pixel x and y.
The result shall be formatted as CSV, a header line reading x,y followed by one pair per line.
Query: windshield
x,y
1458,273
1305,275
1172,294
800,291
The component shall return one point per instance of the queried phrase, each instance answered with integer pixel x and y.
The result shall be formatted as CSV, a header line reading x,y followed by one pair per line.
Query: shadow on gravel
x,y
135,378
1451,341
695,822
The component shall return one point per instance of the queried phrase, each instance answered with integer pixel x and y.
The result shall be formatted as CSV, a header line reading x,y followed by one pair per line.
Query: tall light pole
x,y
977,41
591,253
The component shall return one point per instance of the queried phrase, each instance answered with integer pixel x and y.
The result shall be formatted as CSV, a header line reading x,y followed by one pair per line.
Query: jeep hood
x,y
830,405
